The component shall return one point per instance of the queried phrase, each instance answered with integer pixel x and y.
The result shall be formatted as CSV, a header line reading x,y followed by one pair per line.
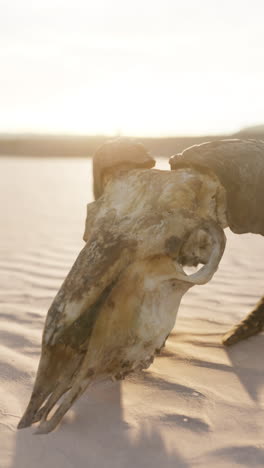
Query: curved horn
x,y
238,164
117,155
218,240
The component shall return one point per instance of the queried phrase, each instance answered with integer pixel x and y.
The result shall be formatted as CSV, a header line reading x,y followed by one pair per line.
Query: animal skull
x,y
119,302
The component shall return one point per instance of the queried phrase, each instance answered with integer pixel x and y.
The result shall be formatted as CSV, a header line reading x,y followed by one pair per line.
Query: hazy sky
x,y
155,67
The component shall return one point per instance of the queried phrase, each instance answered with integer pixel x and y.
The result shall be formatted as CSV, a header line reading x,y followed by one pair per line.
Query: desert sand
x,y
198,405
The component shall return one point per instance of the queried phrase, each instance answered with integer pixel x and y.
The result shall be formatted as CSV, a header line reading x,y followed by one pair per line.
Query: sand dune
x,y
198,405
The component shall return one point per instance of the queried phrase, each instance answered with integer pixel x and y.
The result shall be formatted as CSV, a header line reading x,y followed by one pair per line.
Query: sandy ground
x,y
198,405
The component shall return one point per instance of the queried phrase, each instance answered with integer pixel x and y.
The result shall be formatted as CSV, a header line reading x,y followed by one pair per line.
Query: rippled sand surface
x,y
198,405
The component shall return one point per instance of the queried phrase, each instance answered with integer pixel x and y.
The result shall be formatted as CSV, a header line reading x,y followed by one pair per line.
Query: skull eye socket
x,y
204,247
197,249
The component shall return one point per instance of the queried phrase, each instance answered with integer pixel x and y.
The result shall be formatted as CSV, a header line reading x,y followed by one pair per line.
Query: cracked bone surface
x,y
119,302
239,166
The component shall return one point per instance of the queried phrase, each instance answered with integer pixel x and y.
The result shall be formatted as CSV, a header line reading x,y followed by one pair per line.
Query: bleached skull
x,y
119,302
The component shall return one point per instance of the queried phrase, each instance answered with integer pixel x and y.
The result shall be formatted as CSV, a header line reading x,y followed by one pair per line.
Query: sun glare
x,y
153,69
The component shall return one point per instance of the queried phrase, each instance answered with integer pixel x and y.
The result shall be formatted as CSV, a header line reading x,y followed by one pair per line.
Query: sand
x,y
198,405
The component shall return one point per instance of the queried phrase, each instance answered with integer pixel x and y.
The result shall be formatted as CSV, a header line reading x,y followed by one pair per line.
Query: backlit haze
x,y
141,67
